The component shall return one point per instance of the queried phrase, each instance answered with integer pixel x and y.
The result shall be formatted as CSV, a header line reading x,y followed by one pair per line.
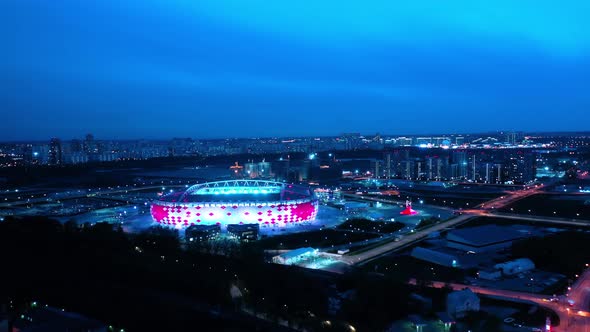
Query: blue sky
x,y
219,68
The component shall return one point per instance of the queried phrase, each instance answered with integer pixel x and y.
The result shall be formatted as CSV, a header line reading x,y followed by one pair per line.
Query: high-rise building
x,y
351,140
55,152
281,169
76,146
89,144
376,168
388,166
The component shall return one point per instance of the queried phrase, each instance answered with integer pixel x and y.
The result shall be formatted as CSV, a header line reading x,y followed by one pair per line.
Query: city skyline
x,y
367,135
222,69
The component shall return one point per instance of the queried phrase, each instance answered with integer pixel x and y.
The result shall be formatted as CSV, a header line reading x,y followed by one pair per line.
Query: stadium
x,y
267,203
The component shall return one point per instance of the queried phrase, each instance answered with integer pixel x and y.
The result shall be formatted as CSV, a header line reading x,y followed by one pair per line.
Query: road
x,y
509,198
82,194
579,293
386,201
551,220
572,319
409,239
484,209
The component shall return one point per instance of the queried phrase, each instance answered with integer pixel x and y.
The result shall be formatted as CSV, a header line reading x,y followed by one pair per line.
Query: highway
x,y
386,201
408,239
412,238
573,318
486,209
81,194
551,220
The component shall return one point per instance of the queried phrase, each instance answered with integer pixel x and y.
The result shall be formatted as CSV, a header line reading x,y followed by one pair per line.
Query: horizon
x,y
497,132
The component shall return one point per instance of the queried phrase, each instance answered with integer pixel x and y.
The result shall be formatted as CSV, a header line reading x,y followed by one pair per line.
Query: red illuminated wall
x,y
280,214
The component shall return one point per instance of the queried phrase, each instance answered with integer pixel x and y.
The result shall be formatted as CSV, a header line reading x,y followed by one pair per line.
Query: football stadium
x,y
267,203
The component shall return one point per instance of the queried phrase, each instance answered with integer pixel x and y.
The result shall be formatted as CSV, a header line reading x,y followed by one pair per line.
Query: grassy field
x,y
364,225
563,206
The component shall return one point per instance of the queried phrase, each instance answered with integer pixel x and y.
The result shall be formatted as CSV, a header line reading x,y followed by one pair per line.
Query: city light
x,y
193,207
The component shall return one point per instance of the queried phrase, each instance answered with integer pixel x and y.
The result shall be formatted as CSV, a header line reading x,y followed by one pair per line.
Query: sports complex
x,y
268,203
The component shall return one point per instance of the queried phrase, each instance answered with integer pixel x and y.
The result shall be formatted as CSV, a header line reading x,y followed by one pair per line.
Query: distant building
x,y
482,238
435,257
460,303
197,233
244,232
257,170
55,152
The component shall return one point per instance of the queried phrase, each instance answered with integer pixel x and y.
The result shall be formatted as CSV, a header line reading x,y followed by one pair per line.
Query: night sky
x,y
217,68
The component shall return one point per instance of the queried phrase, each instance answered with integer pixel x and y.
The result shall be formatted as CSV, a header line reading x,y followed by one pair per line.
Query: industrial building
x,y
515,267
489,274
482,238
435,257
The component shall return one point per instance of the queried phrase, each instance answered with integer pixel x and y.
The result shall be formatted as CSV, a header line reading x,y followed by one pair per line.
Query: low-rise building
x,y
516,266
244,232
197,233
482,238
489,274
435,257
294,256
460,303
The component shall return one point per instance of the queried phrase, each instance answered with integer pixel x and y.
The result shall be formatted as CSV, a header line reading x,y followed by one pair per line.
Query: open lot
x,y
561,206
316,239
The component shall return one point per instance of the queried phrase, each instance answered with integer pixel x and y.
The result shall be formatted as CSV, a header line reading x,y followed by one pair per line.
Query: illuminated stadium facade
x,y
268,203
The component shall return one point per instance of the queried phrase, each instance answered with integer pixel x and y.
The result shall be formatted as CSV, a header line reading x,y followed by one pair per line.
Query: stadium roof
x,y
240,191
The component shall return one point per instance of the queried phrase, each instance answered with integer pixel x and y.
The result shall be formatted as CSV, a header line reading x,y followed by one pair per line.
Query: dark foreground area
x,y
147,282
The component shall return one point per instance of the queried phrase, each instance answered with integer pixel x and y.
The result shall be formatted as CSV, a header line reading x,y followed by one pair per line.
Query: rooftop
x,y
297,252
482,236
